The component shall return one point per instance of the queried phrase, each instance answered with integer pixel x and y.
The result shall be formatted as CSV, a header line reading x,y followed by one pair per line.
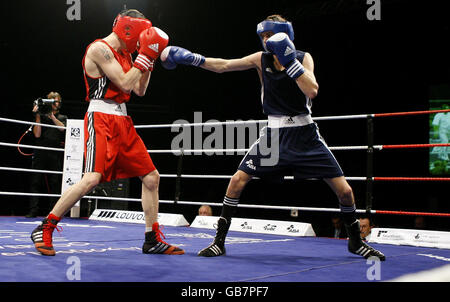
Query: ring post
x,y
178,179
73,159
369,172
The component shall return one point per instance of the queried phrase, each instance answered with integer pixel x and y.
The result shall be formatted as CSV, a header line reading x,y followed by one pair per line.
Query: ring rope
x,y
2,119
184,151
243,150
319,118
412,178
337,117
31,146
197,176
182,125
410,113
413,213
30,170
164,175
334,148
414,146
310,209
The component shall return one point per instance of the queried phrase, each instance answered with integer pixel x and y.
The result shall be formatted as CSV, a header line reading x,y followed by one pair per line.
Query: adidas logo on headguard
x,y
260,27
154,47
288,51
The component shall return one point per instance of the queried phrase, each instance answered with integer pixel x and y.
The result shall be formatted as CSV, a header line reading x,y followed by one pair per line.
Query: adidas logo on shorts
x,y
290,120
250,164
118,108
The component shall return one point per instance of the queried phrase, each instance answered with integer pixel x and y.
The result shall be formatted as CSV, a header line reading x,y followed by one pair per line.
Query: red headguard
x,y
128,29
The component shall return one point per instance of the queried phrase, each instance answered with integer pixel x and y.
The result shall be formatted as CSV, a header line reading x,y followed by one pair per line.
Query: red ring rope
x,y
414,146
412,213
413,178
409,113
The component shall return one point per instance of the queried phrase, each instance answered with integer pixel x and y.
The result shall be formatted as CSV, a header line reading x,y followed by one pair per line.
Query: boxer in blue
x,y
288,87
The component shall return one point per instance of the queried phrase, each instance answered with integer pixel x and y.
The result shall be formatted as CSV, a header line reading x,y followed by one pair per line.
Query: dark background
x,y
361,66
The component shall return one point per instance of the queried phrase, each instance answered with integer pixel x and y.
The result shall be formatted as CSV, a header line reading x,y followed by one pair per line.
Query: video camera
x,y
44,105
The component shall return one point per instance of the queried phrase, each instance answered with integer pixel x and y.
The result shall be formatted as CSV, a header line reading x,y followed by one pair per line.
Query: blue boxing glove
x,y
174,55
281,46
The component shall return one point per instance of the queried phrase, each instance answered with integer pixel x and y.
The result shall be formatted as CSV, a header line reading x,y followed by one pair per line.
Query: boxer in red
x,y
113,149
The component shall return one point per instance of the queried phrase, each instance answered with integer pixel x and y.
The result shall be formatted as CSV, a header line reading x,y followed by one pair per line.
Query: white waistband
x,y
289,121
107,106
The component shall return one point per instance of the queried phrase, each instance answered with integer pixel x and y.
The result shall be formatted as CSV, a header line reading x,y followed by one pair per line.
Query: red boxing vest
x,y
102,87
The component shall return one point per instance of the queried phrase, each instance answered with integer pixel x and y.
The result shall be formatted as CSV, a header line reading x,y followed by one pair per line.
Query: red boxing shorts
x,y
112,146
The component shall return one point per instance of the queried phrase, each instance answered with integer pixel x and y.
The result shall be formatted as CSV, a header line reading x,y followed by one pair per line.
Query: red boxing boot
x,y
42,235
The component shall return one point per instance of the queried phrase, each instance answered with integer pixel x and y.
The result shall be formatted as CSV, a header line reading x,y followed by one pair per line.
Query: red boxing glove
x,y
152,42
144,63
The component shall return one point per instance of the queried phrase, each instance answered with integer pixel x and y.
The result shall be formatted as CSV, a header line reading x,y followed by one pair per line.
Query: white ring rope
x,y
2,119
320,118
343,117
197,176
195,151
200,124
188,151
188,202
31,146
30,170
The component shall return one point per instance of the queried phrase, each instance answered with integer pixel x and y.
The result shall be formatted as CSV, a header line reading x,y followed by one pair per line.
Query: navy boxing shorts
x,y
299,151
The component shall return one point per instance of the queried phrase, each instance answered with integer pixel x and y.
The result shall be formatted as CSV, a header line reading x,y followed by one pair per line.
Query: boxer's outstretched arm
x,y
223,65
174,55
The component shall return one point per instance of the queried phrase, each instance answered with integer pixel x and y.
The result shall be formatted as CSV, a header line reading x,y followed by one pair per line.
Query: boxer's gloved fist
x,y
281,46
152,42
174,55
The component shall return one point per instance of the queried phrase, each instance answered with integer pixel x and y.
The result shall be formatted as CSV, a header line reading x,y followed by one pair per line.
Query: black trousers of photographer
x,y
45,182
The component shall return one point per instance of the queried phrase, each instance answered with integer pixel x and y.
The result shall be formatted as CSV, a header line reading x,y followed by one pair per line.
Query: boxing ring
x,y
105,251
111,252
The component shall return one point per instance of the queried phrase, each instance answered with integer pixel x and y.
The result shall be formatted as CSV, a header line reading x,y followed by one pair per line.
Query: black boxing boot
x,y
357,246
217,248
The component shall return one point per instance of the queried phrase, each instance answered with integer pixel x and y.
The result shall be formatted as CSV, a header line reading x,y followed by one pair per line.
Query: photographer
x,y
47,113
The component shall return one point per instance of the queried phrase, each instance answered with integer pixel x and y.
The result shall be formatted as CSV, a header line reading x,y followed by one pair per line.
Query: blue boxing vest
x,y
280,95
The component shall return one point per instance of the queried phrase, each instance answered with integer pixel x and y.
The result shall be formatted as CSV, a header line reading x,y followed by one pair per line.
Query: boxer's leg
x,y
153,243
230,203
42,235
348,209
150,198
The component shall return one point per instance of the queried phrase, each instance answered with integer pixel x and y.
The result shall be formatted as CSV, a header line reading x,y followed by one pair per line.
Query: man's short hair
x,y
277,18
134,13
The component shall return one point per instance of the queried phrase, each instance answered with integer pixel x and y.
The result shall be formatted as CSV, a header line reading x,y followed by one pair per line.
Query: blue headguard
x,y
275,27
